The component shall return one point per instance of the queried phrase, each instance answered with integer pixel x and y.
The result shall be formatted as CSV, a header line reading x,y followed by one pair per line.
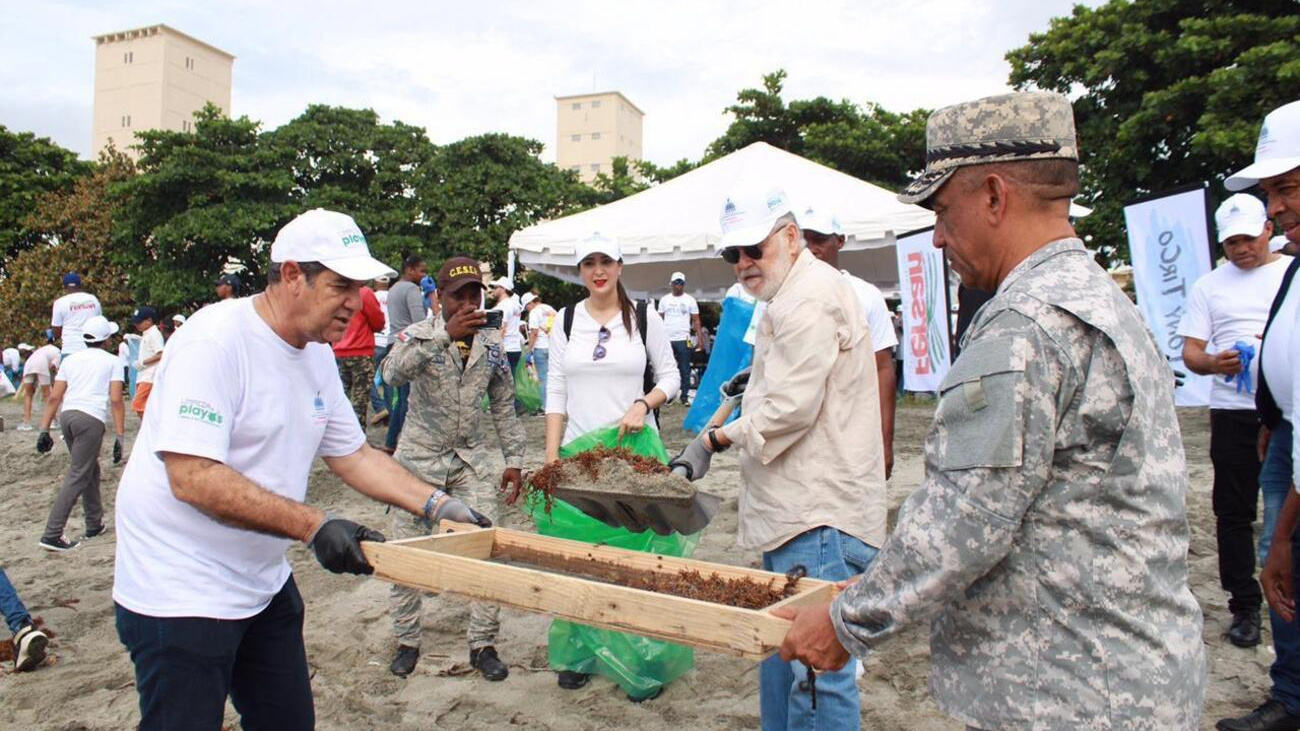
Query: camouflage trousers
x,y
405,604
358,373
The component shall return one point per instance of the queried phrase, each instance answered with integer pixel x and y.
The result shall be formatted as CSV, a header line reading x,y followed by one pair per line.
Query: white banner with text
x,y
923,288
1169,245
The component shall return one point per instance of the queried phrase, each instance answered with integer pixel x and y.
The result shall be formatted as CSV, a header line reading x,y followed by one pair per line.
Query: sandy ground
x,y
88,682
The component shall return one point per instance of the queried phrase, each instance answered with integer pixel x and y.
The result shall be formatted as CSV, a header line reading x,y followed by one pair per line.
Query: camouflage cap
x,y
1003,128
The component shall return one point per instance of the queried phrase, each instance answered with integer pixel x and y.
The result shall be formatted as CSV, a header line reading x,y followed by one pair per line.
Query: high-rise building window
x,y
128,57
595,104
595,135
575,138
189,63
576,105
595,166
126,120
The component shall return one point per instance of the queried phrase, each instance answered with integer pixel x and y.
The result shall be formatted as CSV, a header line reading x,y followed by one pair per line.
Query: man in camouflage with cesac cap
x,y
1048,542
450,363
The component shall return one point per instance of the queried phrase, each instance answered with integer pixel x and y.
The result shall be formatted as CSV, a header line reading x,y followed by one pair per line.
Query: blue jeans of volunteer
x,y
542,362
186,666
1275,483
514,356
11,606
379,398
682,354
783,698
397,416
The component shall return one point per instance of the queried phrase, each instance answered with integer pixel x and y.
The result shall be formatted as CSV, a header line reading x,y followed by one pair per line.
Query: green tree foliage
x,y
476,192
624,179
346,160
867,142
1166,93
200,200
72,230
31,167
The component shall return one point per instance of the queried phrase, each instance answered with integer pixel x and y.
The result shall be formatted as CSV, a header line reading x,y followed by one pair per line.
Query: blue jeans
x,y
186,666
542,361
11,606
379,400
1275,483
783,698
397,416
682,354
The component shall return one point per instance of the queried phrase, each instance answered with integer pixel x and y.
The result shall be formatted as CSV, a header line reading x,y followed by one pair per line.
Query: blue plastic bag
x,y
730,354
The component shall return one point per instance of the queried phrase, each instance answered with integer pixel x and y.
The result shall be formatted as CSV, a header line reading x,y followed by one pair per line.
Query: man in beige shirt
x,y
814,487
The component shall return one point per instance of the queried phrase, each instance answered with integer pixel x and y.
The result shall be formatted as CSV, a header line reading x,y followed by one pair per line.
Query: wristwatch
x,y
713,441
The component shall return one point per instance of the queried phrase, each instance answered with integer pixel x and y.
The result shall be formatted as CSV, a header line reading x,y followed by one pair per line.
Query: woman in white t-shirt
x,y
596,380
597,371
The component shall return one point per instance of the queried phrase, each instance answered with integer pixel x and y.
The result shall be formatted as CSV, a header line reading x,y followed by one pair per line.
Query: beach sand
x,y
88,682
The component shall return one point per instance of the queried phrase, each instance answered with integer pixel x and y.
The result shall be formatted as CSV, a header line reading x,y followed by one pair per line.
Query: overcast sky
x,y
464,68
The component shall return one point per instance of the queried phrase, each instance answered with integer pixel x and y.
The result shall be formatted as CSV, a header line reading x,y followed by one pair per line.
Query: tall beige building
x,y
593,129
154,78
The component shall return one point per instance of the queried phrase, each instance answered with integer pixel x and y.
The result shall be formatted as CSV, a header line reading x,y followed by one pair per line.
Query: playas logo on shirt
x,y
201,411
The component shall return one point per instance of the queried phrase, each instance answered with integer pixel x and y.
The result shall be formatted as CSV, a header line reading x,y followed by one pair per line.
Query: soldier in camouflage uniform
x,y
1048,542
450,364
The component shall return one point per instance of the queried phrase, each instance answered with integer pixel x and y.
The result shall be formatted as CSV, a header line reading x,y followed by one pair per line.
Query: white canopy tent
x,y
674,226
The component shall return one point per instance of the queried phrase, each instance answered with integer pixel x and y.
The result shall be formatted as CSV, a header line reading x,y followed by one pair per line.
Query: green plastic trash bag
x,y
640,665
528,390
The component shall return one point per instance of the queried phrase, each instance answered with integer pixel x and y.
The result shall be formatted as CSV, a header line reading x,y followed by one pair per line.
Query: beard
x,y
771,281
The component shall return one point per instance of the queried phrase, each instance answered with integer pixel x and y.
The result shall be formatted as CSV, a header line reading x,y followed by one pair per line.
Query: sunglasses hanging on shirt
x,y
601,338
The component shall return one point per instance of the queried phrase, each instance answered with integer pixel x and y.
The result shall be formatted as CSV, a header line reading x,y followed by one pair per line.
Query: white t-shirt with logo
x,y
879,323
151,344
677,311
540,320
1227,305
70,313
230,390
89,373
512,341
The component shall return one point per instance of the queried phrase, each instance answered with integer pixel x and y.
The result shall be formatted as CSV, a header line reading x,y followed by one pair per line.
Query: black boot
x,y
1244,631
570,680
404,662
487,662
1272,716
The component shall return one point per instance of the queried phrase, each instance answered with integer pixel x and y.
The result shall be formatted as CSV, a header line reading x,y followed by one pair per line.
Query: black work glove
x,y
337,544
117,450
44,442
735,386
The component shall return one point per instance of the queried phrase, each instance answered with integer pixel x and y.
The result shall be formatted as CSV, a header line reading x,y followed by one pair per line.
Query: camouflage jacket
x,y
442,417
1048,542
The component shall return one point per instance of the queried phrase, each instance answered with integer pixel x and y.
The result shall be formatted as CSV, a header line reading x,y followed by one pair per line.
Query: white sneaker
x,y
25,427
29,644
54,425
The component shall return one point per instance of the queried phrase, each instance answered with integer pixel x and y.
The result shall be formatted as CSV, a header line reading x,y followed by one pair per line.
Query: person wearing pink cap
x,y
246,399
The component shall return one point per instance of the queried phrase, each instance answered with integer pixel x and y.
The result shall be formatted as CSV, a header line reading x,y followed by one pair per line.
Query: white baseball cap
x,y
822,221
527,299
1278,149
25,346
1241,214
97,329
749,213
677,277
504,283
1276,244
597,243
332,239
178,318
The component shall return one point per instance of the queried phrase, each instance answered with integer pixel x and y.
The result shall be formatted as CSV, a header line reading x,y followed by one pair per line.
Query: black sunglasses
x,y
731,254
601,338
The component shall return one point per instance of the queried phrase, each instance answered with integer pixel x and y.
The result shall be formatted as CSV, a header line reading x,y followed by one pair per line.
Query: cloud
x,y
459,69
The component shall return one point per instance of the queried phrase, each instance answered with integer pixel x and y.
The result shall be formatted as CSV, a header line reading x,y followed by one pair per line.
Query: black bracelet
x,y
644,403
713,441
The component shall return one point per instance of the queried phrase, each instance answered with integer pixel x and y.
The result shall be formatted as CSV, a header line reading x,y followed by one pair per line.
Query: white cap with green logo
x,y
331,238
